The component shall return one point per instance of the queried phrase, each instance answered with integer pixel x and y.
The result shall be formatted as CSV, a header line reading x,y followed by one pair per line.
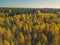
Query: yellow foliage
x,y
39,26
36,27
38,43
6,42
42,26
23,16
8,34
26,28
2,14
8,22
20,24
14,28
17,17
47,27
38,12
1,41
2,30
30,29
12,43
2,21
28,43
35,36
21,38
43,38
29,37
54,30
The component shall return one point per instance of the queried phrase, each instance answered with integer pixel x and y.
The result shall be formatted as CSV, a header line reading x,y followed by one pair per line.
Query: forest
x,y
29,26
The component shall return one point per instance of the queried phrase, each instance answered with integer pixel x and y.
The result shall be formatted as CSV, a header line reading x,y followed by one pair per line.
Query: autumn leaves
x,y
30,29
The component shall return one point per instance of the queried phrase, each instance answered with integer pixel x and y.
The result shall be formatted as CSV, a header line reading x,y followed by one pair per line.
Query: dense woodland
x,y
29,26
